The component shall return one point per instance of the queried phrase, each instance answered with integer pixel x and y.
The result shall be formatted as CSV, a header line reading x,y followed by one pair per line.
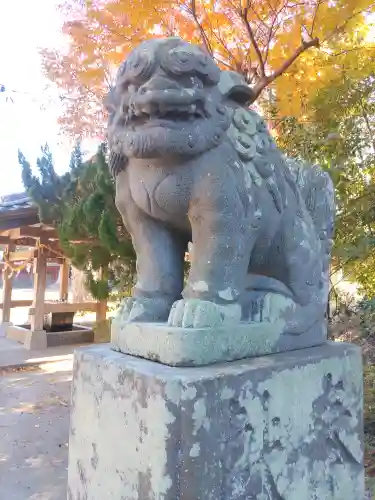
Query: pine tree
x,y
80,205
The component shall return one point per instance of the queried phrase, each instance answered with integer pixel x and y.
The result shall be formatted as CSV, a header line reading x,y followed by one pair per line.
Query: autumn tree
x,y
293,48
340,136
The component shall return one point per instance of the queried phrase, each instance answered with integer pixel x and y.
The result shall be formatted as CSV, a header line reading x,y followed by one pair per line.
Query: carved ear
x,y
233,86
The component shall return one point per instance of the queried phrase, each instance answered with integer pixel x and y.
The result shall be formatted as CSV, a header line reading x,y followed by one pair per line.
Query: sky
x,y
29,120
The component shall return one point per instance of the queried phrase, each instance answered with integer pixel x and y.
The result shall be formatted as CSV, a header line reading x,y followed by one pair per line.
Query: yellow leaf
x,y
103,33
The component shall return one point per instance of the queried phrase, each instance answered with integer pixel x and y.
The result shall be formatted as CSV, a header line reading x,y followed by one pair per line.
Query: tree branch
x,y
221,61
340,28
266,80
302,48
230,56
162,21
347,51
205,40
244,17
272,31
261,21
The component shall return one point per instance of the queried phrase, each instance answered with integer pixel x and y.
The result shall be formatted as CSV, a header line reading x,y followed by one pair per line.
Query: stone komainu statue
x,y
193,163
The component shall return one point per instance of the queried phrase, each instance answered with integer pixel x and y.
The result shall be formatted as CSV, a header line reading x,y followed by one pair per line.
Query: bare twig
x,y
221,61
273,30
340,28
193,12
266,80
166,26
228,52
244,17
262,22
208,19
302,48
271,7
347,51
269,38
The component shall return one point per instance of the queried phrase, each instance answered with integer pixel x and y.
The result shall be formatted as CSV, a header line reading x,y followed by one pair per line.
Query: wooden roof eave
x,y
16,218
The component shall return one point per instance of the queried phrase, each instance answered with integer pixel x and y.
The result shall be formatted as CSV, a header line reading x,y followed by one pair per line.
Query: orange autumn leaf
x,y
293,47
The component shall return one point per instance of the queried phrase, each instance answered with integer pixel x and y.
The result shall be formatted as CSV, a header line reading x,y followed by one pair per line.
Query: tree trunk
x,y
79,291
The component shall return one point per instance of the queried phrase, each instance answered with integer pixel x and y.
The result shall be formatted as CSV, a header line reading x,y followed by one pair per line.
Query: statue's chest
x,y
161,192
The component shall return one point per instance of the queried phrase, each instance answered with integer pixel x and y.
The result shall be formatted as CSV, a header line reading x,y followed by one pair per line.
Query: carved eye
x,y
178,61
207,68
196,82
138,67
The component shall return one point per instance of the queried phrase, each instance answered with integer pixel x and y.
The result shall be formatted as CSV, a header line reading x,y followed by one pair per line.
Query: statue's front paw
x,y
196,313
142,309
123,312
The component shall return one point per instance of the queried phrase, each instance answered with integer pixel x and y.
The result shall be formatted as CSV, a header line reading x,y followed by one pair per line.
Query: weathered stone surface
x,y
176,346
193,163
279,427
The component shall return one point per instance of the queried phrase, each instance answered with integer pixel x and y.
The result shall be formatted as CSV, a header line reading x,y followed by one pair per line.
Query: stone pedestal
x,y
279,427
176,346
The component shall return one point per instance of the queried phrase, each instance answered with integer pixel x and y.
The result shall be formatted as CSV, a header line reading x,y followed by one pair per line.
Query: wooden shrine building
x,y
26,242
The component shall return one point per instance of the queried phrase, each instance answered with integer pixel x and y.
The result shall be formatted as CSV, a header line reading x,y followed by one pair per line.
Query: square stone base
x,y
177,346
280,427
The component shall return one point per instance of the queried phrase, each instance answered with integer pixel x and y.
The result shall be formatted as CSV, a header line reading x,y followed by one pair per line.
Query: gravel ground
x,y
34,423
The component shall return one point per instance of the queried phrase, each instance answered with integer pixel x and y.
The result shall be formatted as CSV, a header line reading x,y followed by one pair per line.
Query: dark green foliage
x,y
340,136
80,204
365,308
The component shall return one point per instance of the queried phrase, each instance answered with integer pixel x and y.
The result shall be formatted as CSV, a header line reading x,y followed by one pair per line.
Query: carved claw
x,y
134,309
117,162
123,312
196,313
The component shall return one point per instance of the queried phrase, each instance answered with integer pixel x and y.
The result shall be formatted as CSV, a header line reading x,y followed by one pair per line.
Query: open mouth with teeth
x,y
158,107
156,114
169,122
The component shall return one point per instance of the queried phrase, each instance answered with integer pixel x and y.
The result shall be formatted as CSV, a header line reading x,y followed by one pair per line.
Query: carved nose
x,y
158,82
